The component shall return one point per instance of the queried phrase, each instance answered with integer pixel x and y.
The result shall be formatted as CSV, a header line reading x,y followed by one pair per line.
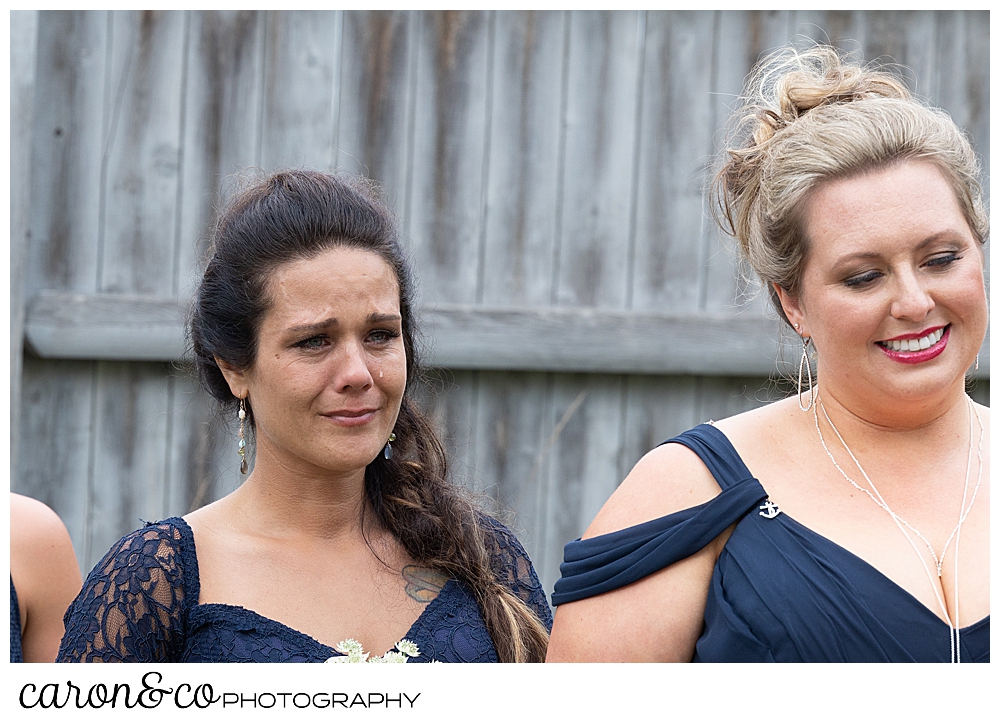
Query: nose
x,y
352,371
913,300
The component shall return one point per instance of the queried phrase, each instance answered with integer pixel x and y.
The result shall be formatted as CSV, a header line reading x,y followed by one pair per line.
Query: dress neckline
x,y
208,608
721,436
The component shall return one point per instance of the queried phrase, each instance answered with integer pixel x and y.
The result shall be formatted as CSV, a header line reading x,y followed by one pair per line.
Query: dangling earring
x,y
242,449
804,362
387,452
977,362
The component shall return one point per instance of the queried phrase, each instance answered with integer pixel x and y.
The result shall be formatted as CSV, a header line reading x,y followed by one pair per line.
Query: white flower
x,y
349,646
354,653
408,648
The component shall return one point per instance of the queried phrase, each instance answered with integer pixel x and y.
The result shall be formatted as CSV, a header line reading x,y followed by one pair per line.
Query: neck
x,y
941,438
295,500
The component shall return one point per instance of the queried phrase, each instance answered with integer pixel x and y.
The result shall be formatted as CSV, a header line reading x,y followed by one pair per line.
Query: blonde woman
x,y
851,522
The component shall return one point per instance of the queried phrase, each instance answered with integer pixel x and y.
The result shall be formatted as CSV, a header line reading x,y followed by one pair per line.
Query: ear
x,y
236,378
792,307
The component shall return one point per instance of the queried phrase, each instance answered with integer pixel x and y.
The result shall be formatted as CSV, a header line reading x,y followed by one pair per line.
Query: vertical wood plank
x,y
374,99
64,218
23,51
512,444
448,154
657,408
963,80
143,152
221,123
675,148
449,400
522,201
67,151
54,465
600,128
202,465
302,61
742,38
585,464
721,397
130,428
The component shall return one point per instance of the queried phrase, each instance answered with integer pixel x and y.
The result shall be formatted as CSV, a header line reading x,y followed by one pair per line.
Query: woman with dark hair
x,y
850,523
346,530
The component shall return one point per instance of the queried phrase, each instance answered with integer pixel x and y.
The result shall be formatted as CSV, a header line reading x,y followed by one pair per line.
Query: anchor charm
x,y
769,510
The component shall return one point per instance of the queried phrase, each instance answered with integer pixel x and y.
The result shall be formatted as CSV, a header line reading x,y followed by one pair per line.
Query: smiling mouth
x,y
919,344
918,349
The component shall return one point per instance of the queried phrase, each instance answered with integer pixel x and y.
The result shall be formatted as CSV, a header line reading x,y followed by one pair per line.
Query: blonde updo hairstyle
x,y
811,116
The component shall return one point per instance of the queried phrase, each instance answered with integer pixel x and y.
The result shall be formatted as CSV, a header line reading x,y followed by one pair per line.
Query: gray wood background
x,y
548,168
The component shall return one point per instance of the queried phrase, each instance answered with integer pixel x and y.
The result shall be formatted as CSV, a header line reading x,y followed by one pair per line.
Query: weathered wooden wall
x,y
547,164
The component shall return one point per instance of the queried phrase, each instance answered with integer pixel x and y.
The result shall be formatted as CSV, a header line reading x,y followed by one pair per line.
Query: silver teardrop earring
x,y
242,449
387,451
804,362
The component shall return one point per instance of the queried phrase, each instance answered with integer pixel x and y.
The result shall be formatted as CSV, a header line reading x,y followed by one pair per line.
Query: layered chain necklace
x,y
903,525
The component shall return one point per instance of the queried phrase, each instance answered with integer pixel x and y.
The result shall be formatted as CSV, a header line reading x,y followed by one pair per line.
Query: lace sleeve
x,y
130,607
514,569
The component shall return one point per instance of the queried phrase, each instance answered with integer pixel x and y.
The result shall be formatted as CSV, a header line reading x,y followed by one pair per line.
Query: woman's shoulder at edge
x,y
670,477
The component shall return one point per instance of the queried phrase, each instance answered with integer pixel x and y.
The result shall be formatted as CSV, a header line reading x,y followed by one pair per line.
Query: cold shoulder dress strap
x,y
608,562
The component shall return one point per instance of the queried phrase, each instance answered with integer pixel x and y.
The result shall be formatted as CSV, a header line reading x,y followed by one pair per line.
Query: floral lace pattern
x,y
140,604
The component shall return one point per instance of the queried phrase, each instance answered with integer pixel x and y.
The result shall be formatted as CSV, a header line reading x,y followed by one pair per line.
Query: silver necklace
x,y
904,525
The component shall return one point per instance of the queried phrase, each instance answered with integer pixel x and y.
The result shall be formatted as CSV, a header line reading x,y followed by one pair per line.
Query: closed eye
x,y
943,261
863,279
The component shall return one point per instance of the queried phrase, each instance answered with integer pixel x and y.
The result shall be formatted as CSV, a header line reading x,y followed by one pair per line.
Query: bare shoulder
x,y
34,526
667,479
45,572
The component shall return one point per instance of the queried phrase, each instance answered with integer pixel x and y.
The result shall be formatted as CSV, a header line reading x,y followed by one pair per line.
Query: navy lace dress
x,y
140,604
779,591
16,654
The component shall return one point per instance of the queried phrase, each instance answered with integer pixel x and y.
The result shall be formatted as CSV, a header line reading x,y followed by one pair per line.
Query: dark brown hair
x,y
296,215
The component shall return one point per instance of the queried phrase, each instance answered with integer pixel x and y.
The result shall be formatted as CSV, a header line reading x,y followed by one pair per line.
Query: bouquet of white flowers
x,y
354,653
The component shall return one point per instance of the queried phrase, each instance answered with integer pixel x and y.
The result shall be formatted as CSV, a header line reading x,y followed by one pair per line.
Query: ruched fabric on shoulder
x,y
779,591
608,562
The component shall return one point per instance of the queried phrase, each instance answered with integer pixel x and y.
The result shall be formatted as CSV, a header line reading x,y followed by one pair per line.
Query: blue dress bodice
x,y
779,591
140,604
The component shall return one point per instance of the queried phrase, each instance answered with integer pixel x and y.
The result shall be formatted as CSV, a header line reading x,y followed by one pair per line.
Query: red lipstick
x,y
923,355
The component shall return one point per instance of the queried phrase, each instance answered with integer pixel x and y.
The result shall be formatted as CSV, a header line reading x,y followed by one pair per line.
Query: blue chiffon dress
x,y
140,604
779,591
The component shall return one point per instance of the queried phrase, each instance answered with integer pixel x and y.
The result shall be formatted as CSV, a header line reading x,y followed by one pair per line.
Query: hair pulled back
x,y
811,116
296,215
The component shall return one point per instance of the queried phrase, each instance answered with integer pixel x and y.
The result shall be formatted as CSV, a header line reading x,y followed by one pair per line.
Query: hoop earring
x,y
241,450
804,362
387,451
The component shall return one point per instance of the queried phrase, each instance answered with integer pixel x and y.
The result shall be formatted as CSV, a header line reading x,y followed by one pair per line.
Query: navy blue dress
x,y
779,591
16,654
140,604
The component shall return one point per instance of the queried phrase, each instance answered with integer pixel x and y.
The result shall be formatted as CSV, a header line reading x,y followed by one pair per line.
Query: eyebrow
x,y
373,318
